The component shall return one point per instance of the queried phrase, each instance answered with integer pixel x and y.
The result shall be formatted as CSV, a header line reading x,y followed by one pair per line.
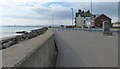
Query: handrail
x,y
92,30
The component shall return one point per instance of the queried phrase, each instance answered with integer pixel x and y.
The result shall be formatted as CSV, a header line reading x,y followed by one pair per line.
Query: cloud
x,y
43,11
64,13
21,21
114,19
60,4
108,8
58,11
55,6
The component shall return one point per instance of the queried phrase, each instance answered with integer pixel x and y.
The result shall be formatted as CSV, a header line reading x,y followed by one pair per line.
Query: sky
x,y
51,12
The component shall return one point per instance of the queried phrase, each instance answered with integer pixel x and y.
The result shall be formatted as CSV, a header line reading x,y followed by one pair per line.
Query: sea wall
x,y
5,43
36,52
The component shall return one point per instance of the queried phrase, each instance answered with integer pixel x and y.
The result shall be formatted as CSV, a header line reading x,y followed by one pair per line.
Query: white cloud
x,y
2,1
21,21
92,0
114,19
32,12
56,6
44,1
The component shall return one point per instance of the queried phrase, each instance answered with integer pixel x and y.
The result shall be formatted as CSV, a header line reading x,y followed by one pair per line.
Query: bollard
x,y
106,28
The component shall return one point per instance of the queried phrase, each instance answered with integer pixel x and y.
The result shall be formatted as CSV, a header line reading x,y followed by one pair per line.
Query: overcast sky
x,y
45,12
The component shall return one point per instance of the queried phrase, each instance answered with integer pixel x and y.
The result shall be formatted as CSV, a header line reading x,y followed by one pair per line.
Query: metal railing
x,y
90,30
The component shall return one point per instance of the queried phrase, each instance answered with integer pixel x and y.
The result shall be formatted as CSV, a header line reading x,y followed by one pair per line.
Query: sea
x,y
11,31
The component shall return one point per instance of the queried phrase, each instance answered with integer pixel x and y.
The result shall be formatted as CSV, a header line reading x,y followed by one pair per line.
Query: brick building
x,y
98,20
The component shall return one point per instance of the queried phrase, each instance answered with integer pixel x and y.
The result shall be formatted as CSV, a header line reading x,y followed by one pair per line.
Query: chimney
x,y
79,10
76,14
88,11
82,11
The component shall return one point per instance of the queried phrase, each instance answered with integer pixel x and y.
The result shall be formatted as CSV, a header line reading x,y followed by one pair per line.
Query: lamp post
x,y
84,17
91,16
72,17
52,21
119,12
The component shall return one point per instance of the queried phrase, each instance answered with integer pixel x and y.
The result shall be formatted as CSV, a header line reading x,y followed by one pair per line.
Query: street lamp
x,y
52,21
91,15
72,17
84,17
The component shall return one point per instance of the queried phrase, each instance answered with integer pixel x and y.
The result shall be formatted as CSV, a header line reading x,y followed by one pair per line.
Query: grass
x,y
115,28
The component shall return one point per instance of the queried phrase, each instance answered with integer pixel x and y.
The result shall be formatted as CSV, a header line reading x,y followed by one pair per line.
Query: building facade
x,y
87,19
83,18
98,20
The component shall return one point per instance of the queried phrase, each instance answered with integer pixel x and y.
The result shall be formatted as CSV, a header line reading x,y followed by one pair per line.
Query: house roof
x,y
101,15
83,14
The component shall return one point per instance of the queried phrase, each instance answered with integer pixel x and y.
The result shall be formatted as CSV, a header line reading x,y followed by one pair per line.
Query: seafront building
x,y
84,19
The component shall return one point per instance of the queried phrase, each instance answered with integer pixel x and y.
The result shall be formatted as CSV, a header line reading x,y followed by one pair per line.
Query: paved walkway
x,y
86,49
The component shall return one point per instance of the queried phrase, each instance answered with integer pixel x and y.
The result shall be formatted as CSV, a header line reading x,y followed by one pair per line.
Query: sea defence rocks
x,y
40,51
12,41
24,32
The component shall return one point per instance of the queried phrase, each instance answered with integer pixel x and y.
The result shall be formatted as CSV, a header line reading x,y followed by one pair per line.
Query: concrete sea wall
x,y
36,52
8,42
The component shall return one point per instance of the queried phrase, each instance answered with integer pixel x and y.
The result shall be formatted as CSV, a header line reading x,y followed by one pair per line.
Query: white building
x,y
83,19
117,24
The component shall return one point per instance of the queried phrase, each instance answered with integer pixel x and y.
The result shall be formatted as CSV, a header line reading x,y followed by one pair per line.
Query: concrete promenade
x,y
86,49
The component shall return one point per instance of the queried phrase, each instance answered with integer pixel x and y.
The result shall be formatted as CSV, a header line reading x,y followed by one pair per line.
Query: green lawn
x,y
115,28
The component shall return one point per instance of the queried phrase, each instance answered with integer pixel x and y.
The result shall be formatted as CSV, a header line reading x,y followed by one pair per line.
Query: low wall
x,y
36,52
